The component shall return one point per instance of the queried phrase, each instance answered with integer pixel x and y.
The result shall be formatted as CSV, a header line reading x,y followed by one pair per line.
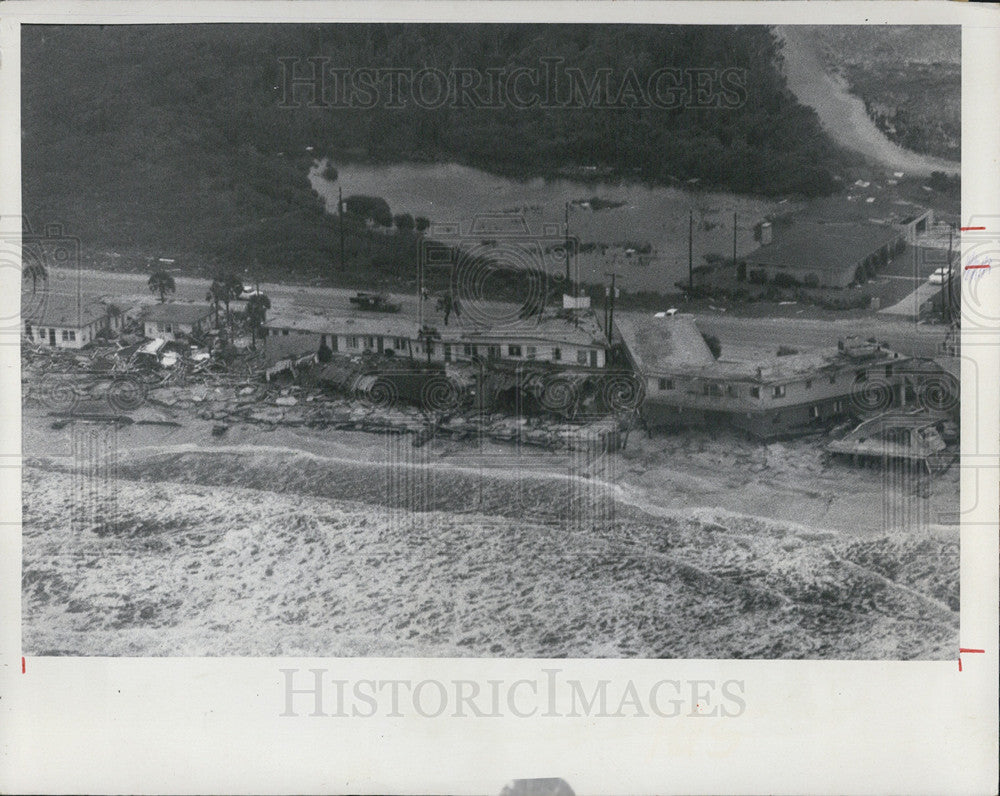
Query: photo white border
x,y
193,725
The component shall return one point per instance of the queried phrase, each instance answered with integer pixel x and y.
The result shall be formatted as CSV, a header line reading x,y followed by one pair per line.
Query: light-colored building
x,y
166,321
771,397
63,321
554,337
822,255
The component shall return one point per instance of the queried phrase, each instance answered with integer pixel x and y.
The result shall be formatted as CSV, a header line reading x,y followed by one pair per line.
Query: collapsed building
x,y
767,398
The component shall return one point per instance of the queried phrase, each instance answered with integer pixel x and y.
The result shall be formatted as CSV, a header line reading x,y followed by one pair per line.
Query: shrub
x,y
785,280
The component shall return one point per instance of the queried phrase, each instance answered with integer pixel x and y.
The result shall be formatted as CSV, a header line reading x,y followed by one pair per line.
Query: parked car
x,y
939,277
375,302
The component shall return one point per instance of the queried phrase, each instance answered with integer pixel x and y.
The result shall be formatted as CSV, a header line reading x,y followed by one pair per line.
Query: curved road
x,y
841,113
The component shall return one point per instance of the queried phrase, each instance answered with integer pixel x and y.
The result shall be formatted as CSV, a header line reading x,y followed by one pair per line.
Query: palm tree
x,y
161,282
35,271
114,312
428,334
225,288
214,297
257,308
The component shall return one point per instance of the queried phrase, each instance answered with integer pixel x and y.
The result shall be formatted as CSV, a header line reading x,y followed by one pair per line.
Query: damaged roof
x,y
664,344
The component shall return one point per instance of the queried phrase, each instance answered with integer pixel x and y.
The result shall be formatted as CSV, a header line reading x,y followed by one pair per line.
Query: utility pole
x,y
611,308
734,239
946,294
567,249
420,293
340,220
690,253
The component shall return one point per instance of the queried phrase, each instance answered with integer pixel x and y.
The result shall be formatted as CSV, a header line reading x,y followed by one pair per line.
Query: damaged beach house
x,y
765,398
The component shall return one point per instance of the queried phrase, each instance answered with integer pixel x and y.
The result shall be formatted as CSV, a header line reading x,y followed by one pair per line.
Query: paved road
x,y
762,333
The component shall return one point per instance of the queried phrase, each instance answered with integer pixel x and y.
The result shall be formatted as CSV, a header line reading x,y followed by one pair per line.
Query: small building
x,y
822,254
295,331
570,339
64,321
166,321
767,398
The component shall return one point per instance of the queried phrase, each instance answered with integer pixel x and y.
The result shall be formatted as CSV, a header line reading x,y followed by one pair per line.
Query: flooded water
x,y
643,217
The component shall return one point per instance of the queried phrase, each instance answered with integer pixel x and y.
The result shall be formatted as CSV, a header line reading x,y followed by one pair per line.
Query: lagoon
x,y
652,220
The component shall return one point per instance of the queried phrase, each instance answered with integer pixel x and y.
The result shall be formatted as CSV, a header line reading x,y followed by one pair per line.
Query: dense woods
x,y
172,140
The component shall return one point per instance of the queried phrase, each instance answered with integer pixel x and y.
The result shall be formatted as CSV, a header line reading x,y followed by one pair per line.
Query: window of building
x,y
779,391
72,336
593,359
467,350
838,406
814,411
493,352
447,352
755,392
369,342
556,354
352,342
514,350
27,328
532,352
399,343
65,335
666,384
731,391
581,357
41,333
284,332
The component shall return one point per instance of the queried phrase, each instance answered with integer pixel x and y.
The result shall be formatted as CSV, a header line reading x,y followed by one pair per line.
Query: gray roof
x,y
321,322
62,310
824,247
176,312
661,345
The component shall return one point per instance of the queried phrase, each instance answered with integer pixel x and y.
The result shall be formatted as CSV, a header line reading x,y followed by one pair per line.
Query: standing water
x,y
652,221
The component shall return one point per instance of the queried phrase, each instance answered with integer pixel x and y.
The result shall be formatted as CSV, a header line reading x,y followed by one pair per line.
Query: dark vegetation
x,y
916,105
149,141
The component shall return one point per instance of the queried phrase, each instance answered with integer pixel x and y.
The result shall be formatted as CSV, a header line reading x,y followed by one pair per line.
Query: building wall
x,y
168,330
65,336
455,349
763,409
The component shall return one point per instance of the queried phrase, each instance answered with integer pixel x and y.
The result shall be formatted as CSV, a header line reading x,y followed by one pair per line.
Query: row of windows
x,y
67,335
583,356
715,390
